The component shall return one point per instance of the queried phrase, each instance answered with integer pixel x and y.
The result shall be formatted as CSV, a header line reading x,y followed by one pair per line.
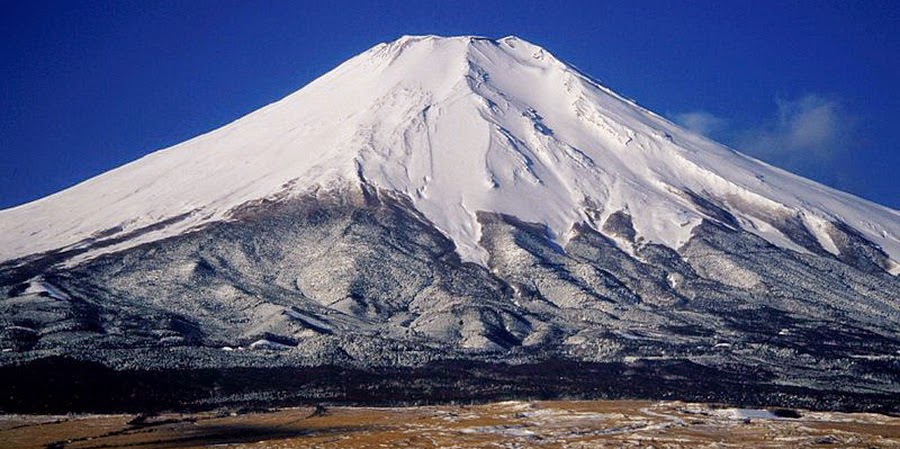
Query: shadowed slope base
x,y
63,385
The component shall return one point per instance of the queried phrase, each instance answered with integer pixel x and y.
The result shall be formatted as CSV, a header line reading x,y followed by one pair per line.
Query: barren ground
x,y
558,424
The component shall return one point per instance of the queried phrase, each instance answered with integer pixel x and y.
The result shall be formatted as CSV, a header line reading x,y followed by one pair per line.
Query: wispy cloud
x,y
807,135
701,122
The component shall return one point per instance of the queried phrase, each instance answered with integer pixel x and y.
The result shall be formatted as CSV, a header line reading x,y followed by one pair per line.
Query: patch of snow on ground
x,y
744,413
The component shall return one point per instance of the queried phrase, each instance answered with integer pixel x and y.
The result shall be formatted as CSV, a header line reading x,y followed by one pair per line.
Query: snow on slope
x,y
459,125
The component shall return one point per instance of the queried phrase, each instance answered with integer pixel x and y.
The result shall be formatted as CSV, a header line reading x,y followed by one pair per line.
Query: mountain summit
x,y
459,125
473,215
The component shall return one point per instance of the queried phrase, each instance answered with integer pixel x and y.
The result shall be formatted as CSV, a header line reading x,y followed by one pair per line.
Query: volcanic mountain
x,y
460,202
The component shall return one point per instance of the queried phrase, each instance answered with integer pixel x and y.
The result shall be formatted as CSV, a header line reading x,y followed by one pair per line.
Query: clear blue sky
x,y
809,86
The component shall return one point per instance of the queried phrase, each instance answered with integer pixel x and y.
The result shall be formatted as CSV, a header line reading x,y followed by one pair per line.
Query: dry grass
x,y
558,424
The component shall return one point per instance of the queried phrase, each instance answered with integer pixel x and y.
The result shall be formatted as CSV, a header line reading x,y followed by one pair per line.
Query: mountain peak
x,y
433,46
459,125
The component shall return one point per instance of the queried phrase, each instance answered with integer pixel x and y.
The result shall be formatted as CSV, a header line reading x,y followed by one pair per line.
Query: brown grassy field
x,y
559,424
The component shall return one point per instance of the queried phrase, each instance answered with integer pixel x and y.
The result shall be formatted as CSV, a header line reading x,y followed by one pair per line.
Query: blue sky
x,y
809,86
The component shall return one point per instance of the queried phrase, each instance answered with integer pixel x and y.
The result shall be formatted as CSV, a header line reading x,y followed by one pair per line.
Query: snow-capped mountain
x,y
458,125
458,198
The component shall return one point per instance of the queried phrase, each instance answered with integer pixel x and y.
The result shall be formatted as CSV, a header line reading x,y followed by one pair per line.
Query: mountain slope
x,y
469,212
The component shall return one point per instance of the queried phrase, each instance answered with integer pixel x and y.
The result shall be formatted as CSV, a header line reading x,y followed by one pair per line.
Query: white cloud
x,y
701,122
806,133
